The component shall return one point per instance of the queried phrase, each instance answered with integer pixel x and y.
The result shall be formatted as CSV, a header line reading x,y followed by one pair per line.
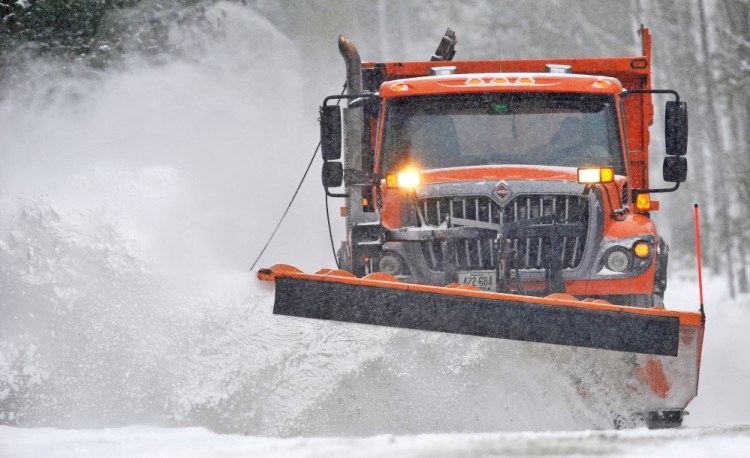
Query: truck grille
x,y
527,252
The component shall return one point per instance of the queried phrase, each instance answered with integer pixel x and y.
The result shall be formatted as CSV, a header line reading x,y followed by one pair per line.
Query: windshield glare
x,y
572,130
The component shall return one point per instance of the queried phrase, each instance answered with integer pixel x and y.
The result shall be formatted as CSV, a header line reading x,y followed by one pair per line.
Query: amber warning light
x,y
596,175
403,179
643,202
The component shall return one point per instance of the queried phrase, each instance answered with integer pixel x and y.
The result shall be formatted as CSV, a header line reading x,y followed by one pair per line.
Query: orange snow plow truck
x,y
509,199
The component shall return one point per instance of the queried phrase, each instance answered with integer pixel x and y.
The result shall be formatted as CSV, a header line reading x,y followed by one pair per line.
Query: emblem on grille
x,y
502,191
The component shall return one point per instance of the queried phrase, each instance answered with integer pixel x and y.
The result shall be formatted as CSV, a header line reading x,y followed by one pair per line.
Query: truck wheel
x,y
663,419
662,259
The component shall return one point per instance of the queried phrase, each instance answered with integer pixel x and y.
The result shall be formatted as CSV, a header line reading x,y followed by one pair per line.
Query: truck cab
x,y
528,177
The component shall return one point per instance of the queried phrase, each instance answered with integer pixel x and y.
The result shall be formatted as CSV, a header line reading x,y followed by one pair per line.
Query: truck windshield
x,y
456,130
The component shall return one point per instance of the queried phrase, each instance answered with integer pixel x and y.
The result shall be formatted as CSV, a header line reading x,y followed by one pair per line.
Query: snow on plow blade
x,y
379,299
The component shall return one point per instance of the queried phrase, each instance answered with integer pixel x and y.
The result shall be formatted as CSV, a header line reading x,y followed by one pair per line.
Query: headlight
x,y
625,257
617,260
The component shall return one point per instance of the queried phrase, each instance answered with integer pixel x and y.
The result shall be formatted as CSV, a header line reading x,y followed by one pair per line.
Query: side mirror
x,y
330,132
675,169
676,128
333,174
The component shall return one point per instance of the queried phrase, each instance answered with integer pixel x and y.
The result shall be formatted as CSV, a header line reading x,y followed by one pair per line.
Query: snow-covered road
x,y
722,400
148,442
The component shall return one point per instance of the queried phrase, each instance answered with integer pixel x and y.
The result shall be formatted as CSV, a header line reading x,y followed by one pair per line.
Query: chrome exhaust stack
x,y
353,65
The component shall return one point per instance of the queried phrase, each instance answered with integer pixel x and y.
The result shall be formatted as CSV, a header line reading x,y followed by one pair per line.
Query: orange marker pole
x,y
700,265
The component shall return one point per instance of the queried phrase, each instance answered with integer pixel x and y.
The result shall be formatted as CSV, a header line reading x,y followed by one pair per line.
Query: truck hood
x,y
515,172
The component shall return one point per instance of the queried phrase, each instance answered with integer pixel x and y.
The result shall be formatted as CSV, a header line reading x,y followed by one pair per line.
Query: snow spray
x,y
131,199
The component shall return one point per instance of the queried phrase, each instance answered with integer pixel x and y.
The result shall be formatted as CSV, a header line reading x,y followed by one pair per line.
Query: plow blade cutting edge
x,y
379,299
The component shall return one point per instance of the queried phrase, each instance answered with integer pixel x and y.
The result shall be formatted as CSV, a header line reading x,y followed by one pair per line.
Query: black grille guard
x,y
456,229
472,229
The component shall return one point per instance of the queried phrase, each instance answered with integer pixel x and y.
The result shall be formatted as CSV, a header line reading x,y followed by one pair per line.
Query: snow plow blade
x,y
379,299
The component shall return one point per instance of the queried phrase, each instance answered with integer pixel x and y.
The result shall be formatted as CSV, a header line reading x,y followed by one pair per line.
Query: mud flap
x,y
478,315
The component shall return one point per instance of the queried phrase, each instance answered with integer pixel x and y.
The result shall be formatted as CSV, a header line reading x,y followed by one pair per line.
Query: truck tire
x,y
664,419
662,258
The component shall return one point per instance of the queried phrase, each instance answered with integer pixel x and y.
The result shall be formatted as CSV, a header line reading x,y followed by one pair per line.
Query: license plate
x,y
482,279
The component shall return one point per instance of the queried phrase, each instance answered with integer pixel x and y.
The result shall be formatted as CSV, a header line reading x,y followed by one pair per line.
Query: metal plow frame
x,y
380,299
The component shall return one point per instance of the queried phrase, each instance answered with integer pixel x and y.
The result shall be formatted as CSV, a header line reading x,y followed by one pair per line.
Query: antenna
x,y
700,265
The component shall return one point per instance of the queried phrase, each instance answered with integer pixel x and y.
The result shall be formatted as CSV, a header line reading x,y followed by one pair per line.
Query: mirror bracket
x,y
680,145
359,178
